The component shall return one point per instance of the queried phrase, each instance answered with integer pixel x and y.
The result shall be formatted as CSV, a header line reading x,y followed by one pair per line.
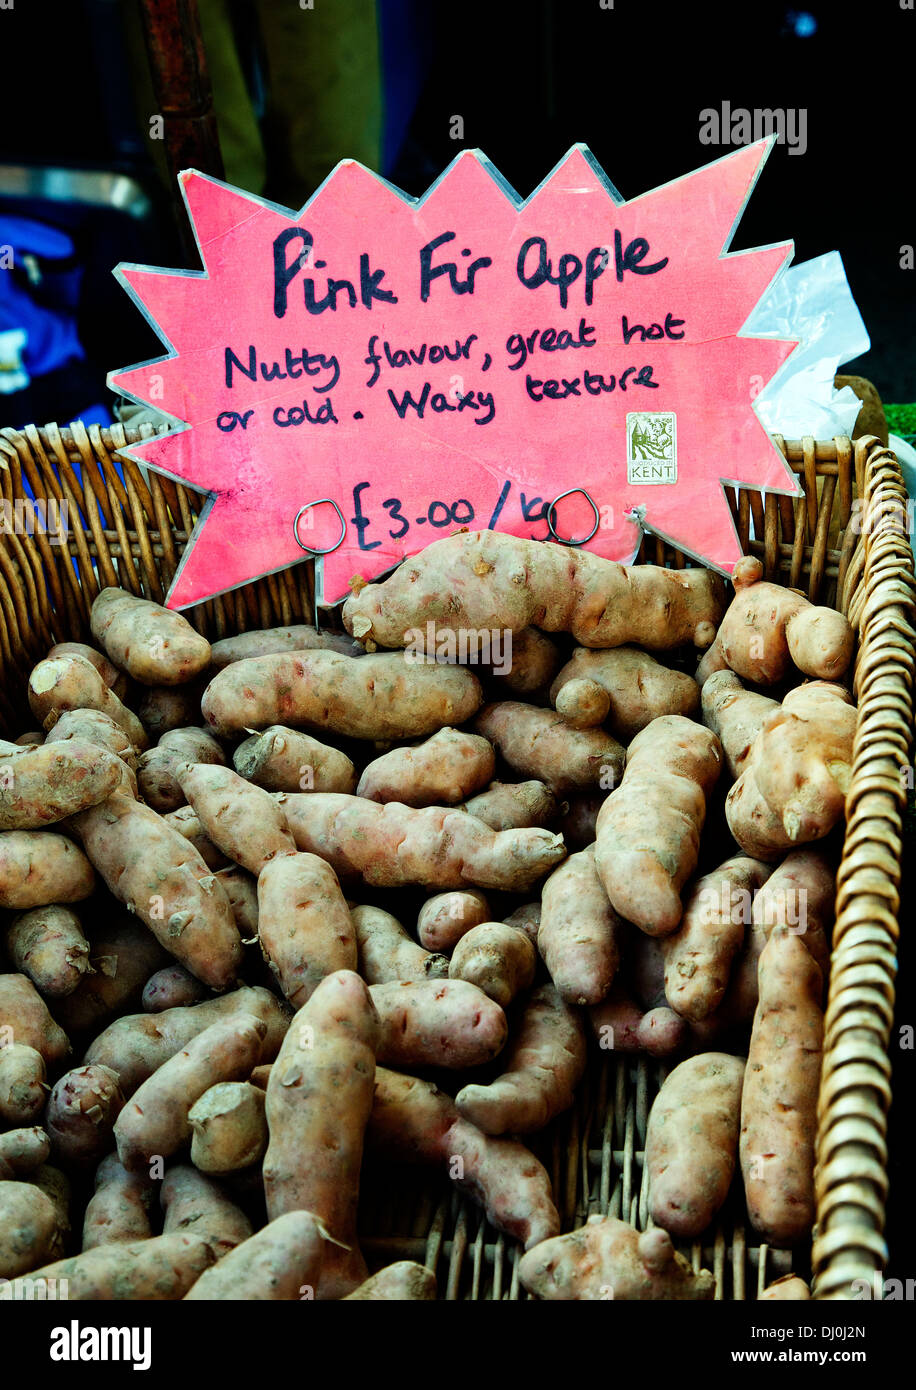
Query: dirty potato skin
x,y
155,1120
513,805
779,1105
42,785
387,952
384,696
154,645
22,1089
700,954
281,1261
414,1122
119,1210
319,1097
30,1230
168,885
82,1109
497,958
449,767
163,1267
692,1142
543,1065
304,924
287,760
48,945
487,579
436,847
608,1259
580,933
404,1282
437,1023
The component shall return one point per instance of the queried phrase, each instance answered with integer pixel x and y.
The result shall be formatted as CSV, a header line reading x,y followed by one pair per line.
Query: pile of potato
x,y
281,907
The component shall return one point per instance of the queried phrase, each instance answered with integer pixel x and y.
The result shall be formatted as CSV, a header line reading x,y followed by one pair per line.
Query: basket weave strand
x,y
131,530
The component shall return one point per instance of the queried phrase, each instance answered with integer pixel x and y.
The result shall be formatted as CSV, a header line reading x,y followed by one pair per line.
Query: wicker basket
x,y
131,531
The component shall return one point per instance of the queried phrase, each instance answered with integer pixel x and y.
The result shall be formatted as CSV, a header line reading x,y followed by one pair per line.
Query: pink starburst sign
x,y
567,366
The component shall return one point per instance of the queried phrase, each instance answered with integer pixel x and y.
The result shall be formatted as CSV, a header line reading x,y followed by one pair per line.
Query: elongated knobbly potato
x,y
580,933
438,847
287,760
270,641
700,953
136,1045
154,1123
608,1259
158,874
281,1261
304,924
161,1268
39,786
513,805
155,645
648,836
543,1065
119,1209
242,820
319,1097
539,743
377,697
387,952
779,1106
486,580
413,1121
692,1141
449,767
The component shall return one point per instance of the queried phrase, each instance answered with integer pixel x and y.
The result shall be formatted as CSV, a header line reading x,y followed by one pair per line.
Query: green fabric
x,y
324,68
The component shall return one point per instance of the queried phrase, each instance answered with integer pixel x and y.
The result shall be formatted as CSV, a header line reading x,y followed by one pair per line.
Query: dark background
x,y
530,79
